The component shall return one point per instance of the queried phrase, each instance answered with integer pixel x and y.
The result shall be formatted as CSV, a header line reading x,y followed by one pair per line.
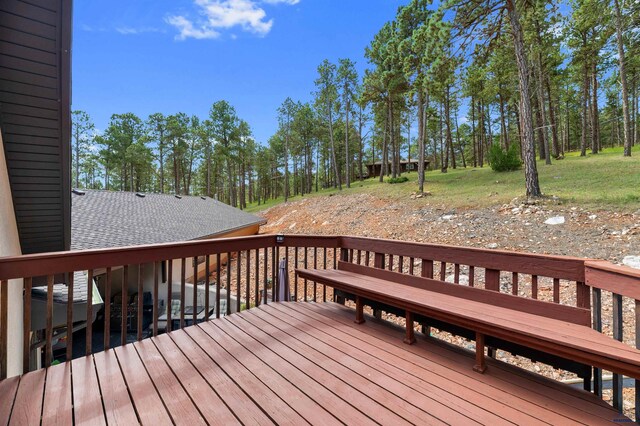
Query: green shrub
x,y
502,160
400,179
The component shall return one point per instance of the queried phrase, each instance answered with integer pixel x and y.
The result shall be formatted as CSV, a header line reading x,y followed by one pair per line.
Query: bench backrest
x,y
570,314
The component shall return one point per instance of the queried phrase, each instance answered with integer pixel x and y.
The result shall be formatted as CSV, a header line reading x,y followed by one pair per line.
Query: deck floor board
x,y
292,363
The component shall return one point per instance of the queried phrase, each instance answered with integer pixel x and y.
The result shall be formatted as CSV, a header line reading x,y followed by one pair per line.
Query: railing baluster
x,y
156,307
238,279
597,325
401,264
228,284
218,286
89,329
411,266
274,268
324,265
306,259
514,283
391,262
617,334
169,293
315,266
140,306
359,257
248,283
195,291
472,275
534,286
257,295
70,285
49,332
124,305
183,285
556,290
26,323
366,257
637,382
456,273
335,258
443,271
265,278
295,274
4,327
107,311
207,283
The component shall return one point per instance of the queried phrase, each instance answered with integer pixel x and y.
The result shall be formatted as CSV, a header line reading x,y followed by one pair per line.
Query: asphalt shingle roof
x,y
103,219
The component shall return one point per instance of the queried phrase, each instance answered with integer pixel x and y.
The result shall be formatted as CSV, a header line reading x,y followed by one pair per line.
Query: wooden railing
x,y
246,269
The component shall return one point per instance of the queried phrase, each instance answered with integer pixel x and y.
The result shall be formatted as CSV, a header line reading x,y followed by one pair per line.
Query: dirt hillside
x,y
516,226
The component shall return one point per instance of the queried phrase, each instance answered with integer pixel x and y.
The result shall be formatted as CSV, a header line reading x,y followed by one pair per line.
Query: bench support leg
x,y
410,337
480,365
359,311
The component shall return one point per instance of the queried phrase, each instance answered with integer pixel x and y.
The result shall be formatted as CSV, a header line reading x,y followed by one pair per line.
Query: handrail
x,y
618,279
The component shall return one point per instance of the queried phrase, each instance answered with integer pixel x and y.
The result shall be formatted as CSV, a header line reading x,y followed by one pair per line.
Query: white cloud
x,y
217,15
134,31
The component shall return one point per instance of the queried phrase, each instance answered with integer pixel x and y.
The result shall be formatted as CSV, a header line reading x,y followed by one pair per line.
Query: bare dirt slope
x,y
516,226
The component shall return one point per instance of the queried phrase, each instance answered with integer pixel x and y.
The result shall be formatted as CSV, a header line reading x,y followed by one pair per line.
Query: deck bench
x,y
558,330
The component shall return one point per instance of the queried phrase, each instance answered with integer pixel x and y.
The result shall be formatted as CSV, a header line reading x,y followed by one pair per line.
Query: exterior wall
x,y
35,90
10,246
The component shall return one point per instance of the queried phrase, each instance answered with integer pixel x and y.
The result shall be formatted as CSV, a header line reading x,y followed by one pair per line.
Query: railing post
x,y
597,325
617,334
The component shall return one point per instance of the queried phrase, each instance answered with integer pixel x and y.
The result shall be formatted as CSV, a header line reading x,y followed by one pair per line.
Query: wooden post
x,y
480,365
359,311
410,337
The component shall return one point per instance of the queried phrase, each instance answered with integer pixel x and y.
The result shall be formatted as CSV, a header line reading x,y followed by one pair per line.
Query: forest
x,y
443,84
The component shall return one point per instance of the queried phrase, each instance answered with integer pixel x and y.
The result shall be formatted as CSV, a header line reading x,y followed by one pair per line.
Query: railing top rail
x,y
564,267
618,279
61,262
41,264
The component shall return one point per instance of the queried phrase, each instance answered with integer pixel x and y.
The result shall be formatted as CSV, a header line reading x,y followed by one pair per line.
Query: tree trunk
x,y
421,135
347,160
595,119
552,119
623,81
333,152
530,167
585,110
473,132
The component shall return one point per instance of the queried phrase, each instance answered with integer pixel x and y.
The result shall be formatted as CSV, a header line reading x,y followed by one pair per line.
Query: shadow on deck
x,y
291,363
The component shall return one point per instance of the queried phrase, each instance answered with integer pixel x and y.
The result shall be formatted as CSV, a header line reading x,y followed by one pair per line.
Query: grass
x,y
603,181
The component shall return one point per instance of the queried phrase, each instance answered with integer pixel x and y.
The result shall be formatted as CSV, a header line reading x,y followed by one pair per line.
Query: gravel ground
x,y
518,226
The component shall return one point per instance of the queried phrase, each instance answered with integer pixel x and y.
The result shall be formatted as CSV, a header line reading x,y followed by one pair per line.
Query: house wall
x,y
35,91
10,246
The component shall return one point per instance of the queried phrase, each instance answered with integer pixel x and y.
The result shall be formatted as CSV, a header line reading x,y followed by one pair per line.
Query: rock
x,y
556,220
593,217
631,261
492,246
462,279
325,223
515,210
448,217
293,225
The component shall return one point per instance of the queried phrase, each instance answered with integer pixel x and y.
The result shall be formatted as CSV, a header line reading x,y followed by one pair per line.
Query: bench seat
x,y
558,337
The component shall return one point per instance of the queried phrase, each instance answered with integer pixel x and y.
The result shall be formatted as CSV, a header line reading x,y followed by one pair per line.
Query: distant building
x,y
405,166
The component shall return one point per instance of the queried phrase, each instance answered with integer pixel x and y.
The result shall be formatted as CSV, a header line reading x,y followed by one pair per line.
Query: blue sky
x,y
146,56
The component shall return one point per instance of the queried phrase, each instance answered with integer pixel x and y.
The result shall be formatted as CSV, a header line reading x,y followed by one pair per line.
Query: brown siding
x,y
35,77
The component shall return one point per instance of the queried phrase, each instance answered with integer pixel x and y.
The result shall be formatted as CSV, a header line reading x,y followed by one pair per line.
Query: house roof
x,y
103,219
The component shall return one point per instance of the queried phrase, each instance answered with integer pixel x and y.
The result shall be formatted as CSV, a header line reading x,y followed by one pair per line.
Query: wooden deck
x,y
291,363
